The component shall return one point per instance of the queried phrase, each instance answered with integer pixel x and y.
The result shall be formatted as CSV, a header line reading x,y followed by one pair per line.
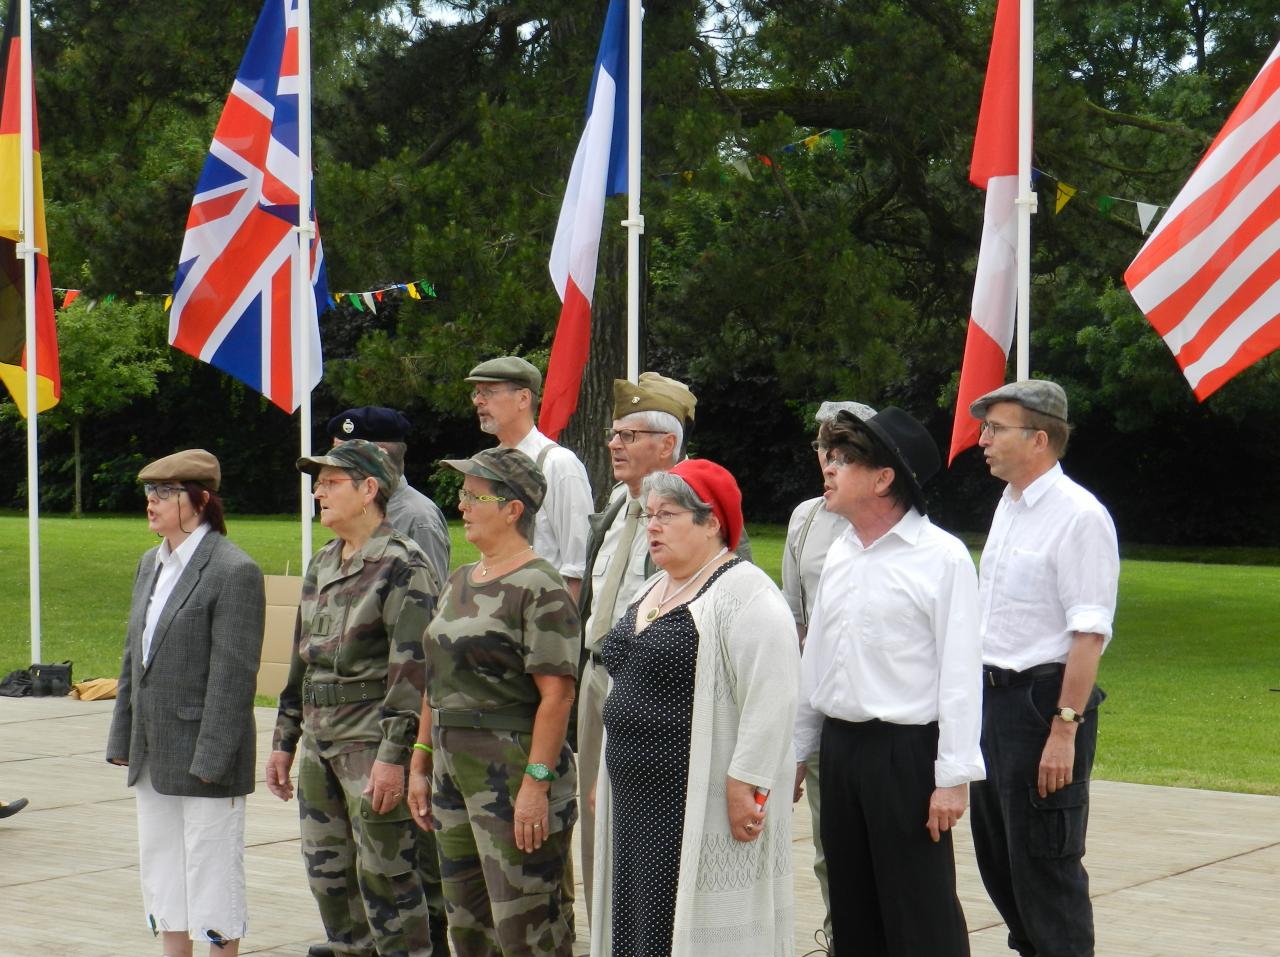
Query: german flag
x,y
13,328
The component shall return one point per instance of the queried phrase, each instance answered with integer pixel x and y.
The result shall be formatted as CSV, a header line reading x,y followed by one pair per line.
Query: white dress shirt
x,y
894,637
633,573
802,568
1049,569
168,568
560,529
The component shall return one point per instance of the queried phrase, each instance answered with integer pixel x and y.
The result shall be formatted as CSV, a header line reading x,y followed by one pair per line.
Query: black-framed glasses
x,y
326,485
994,429
628,436
161,492
467,497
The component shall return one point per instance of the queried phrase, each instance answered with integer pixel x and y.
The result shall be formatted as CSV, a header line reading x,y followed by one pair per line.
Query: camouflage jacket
x,y
487,640
360,620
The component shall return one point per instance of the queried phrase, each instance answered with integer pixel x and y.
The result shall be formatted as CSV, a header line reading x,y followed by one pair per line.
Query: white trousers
x,y
191,852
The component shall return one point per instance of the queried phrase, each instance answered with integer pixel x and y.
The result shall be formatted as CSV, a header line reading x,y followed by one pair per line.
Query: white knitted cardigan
x,y
734,899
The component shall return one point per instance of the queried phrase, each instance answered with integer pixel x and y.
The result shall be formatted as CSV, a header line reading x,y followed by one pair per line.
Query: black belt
x,y
330,694
1004,678
596,658
483,720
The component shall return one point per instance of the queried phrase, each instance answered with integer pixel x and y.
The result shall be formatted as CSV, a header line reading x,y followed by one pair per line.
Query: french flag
x,y
599,170
995,289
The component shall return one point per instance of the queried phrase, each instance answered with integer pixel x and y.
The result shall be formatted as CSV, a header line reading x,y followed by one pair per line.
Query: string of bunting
x,y
1065,192
361,301
740,165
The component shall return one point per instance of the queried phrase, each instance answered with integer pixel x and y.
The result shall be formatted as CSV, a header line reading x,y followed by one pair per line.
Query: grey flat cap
x,y
511,369
828,411
1038,395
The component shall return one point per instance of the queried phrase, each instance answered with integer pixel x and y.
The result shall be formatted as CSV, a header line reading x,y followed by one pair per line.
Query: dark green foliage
x,y
444,134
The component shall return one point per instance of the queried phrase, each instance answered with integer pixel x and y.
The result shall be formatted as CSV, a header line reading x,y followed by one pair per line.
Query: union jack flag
x,y
233,296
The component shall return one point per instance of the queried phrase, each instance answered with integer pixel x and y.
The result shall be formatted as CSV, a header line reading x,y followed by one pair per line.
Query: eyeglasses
x,y
488,392
628,436
466,497
161,492
326,485
665,516
837,460
993,429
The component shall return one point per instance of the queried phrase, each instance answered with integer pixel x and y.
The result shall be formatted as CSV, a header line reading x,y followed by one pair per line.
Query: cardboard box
x,y
284,592
271,678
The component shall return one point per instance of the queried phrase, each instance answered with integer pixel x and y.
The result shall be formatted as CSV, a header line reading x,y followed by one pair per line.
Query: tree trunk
x,y
607,359
75,455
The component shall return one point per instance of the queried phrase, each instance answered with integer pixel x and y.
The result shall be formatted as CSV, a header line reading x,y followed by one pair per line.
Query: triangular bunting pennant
x,y
368,301
355,301
72,295
837,137
412,290
168,301
1146,213
1105,204
1065,193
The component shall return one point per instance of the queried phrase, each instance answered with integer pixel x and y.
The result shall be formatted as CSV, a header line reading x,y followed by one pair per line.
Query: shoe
x,y
319,950
12,808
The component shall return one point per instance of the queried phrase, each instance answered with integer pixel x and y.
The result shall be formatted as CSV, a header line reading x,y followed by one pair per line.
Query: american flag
x,y
1208,279
233,296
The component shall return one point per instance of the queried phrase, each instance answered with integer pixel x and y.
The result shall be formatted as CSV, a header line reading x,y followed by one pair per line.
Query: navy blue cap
x,y
373,423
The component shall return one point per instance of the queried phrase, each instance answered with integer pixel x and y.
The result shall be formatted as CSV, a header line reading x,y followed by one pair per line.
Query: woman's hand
x,y
385,787
531,815
279,764
746,821
420,799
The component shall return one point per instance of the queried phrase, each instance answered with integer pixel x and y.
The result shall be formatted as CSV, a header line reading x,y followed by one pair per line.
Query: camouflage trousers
x,y
501,901
362,866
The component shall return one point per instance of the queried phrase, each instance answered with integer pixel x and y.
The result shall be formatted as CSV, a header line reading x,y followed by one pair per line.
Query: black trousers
x,y
893,891
1030,849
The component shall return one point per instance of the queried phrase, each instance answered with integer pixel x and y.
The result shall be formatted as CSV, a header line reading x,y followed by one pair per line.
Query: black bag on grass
x,y
52,681
16,684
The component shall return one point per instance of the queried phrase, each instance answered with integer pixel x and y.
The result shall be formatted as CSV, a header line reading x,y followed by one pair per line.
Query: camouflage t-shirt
x,y
487,640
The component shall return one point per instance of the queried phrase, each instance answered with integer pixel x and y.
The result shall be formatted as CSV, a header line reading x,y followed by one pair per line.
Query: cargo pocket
x,y
1056,825
386,841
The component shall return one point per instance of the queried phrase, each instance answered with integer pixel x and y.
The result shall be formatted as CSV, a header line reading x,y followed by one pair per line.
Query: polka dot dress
x,y
647,716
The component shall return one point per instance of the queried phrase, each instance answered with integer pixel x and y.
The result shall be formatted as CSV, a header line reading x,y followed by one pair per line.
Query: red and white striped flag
x,y
1208,279
995,288
599,170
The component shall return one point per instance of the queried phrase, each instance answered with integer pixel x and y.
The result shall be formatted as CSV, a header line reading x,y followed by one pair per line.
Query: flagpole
x,y
1026,200
304,298
634,221
28,252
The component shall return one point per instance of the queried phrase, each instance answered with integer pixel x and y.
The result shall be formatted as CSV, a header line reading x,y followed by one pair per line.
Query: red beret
x,y
715,485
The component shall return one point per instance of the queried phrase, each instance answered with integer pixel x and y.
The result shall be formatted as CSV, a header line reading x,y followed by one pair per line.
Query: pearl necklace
x,y
485,569
666,586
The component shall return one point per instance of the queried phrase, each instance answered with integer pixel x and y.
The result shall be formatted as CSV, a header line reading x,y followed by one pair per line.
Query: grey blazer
x,y
188,713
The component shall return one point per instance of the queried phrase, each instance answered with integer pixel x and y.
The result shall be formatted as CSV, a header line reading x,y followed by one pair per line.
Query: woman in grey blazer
x,y
183,720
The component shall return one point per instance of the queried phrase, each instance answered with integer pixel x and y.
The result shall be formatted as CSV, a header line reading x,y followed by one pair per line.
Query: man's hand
x,y
1058,757
946,807
279,764
798,792
385,787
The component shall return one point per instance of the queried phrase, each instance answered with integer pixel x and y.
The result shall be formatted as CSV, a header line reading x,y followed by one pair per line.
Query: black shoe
x,y
12,808
319,950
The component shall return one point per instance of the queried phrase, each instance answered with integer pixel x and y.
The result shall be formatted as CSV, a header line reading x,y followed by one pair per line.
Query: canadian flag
x,y
599,170
1208,279
995,289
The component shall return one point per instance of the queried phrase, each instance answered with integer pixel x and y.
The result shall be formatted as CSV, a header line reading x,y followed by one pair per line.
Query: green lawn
x,y
1188,676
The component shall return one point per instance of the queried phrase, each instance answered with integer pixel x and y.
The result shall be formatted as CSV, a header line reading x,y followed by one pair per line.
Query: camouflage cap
x,y
189,465
511,369
509,466
1038,395
360,455
653,393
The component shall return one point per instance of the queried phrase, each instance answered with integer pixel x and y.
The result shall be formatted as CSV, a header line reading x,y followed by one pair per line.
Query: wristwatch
x,y
1070,714
539,772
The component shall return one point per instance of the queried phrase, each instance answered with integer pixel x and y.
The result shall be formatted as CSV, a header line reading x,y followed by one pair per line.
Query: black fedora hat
x,y
908,442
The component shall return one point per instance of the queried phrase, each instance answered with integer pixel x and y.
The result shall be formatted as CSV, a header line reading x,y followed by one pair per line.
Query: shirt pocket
x,y
1027,575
